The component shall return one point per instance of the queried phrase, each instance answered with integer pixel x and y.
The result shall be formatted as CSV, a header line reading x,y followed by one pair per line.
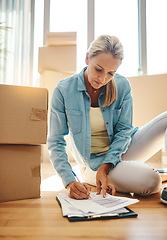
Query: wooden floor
x,y
41,219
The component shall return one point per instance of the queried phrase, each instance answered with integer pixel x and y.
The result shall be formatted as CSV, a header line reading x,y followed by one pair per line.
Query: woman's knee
x,y
135,177
152,184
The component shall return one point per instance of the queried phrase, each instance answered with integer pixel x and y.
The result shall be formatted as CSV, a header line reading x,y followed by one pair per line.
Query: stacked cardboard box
x,y
23,128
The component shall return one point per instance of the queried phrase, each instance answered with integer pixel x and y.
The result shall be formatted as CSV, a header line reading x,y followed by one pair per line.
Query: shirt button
x,y
106,122
103,110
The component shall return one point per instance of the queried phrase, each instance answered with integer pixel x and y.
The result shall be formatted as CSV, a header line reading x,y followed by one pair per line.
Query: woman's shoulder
x,y
120,78
72,81
121,81
68,86
65,82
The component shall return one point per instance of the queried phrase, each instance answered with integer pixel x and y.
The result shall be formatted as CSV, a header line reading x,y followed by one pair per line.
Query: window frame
x,y
142,47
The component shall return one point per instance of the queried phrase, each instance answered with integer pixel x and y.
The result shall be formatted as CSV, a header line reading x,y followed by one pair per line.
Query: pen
x,y
80,182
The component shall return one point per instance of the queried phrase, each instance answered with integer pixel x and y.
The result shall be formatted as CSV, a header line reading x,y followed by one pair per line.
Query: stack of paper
x,y
95,206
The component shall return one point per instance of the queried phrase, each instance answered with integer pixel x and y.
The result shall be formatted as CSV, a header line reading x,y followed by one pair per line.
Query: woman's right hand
x,y
77,191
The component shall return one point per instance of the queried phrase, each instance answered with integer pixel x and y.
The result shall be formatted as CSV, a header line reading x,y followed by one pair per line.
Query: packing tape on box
x,y
38,114
36,171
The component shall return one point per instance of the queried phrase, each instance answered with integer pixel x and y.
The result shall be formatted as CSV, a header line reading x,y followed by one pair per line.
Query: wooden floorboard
x,y
41,219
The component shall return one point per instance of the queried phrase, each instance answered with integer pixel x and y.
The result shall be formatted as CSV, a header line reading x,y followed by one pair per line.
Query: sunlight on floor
x,y
54,182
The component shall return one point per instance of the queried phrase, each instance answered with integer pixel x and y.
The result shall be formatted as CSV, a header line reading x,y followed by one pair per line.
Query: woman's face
x,y
101,69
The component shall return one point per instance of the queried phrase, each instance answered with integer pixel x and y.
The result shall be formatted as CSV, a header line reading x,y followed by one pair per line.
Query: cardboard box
x,y
57,58
23,115
19,172
61,38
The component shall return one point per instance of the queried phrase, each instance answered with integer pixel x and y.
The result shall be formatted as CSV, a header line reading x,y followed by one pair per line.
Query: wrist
x,y
69,185
106,167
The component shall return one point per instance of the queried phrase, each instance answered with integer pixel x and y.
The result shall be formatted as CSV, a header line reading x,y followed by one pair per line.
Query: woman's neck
x,y
93,93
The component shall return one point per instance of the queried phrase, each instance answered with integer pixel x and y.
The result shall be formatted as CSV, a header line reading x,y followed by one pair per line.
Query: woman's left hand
x,y
102,180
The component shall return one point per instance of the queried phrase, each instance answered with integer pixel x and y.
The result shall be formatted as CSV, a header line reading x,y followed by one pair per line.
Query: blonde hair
x,y
111,44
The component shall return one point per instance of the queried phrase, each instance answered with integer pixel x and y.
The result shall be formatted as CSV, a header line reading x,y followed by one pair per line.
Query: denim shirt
x,y
69,114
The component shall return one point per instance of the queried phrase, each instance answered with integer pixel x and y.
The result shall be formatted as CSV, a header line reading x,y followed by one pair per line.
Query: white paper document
x,y
95,205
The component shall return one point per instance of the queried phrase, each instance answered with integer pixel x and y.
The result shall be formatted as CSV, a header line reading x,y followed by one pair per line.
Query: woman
x,y
95,108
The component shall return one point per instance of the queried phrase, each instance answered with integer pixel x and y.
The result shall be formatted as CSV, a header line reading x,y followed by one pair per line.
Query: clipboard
x,y
129,214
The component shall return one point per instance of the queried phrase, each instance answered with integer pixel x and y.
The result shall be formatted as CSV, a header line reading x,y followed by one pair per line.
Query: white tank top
x,y
100,141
